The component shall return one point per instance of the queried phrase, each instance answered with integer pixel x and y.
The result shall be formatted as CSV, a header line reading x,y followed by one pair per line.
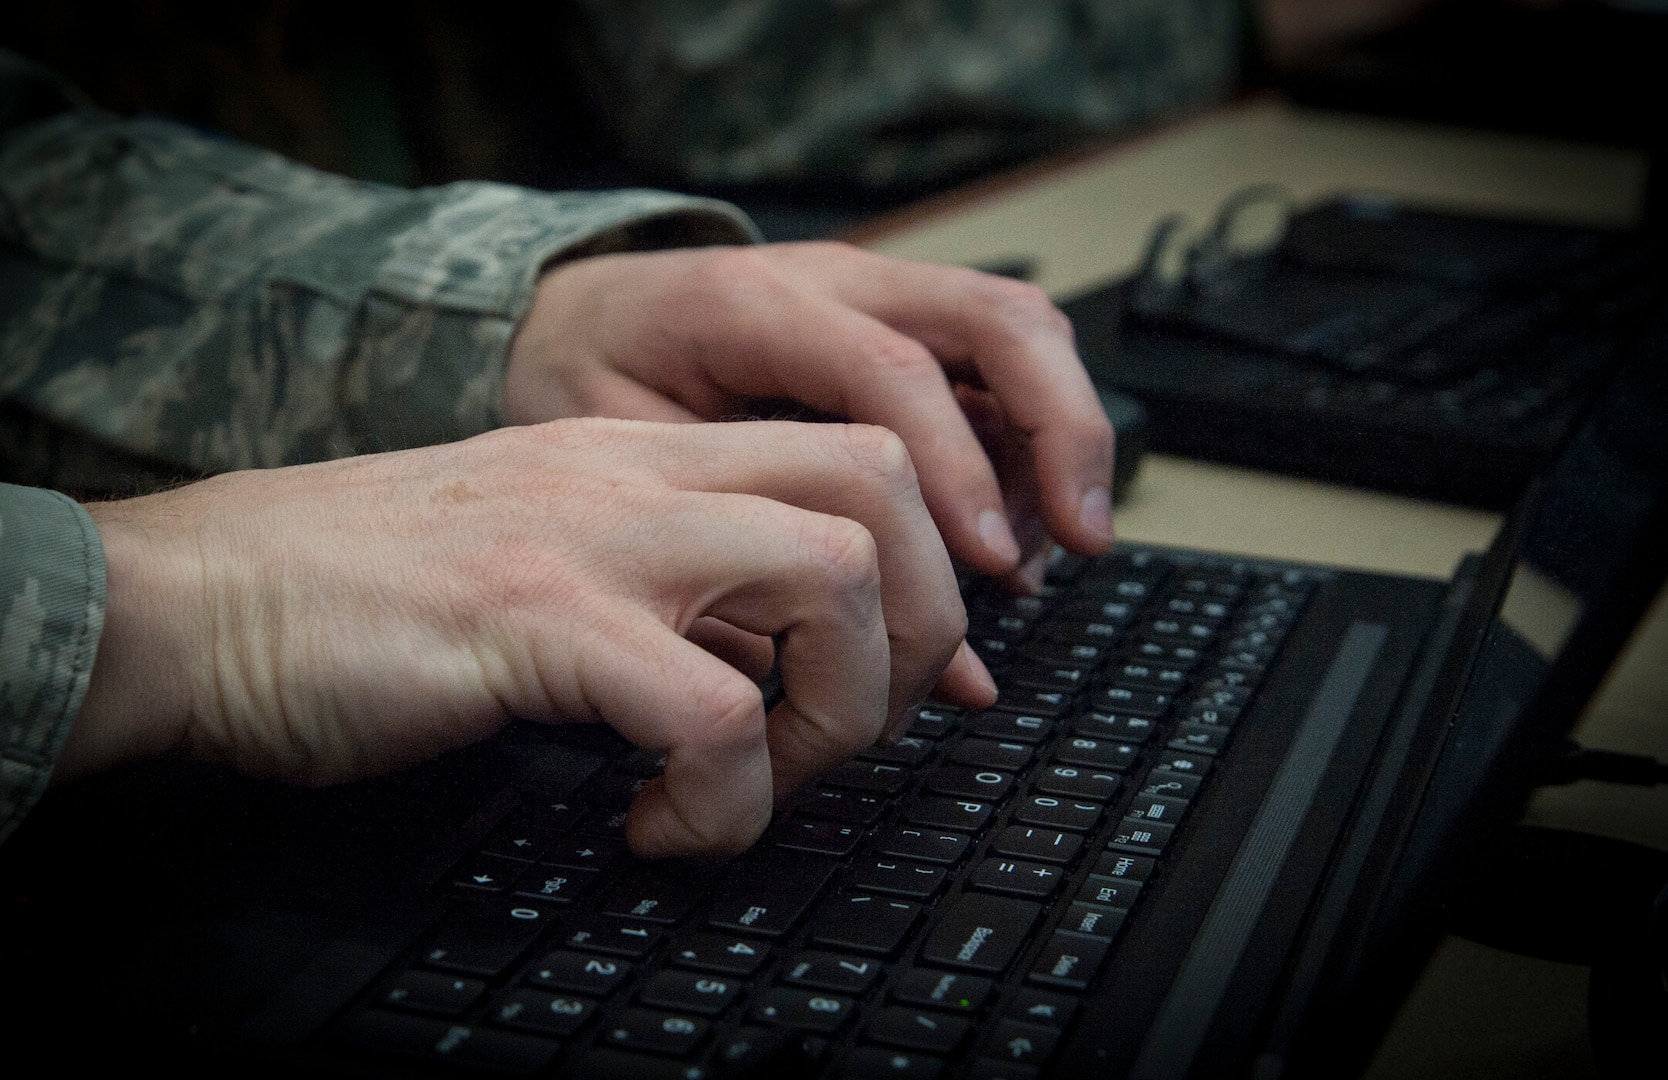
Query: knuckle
x,y
880,454
1024,305
731,709
846,556
890,352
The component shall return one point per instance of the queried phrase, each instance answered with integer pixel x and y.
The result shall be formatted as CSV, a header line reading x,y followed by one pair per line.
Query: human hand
x,y
947,358
337,620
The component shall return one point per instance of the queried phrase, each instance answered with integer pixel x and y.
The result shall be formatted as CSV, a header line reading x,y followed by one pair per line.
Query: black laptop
x,y
1199,835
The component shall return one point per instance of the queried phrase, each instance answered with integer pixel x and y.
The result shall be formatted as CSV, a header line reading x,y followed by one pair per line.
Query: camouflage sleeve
x,y
906,92
214,306
51,614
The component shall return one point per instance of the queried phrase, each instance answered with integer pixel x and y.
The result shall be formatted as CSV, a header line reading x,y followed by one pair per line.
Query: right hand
x,y
331,621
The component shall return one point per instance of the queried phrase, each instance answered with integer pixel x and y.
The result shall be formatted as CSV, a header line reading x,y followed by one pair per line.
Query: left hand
x,y
963,366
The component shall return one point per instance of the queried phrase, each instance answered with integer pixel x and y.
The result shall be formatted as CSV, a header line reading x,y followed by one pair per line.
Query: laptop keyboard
x,y
930,909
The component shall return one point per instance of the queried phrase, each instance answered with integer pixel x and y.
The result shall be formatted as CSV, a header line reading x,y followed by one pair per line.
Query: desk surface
x,y
1476,1011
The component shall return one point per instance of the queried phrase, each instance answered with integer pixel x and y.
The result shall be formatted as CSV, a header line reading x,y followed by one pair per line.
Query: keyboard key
x,y
897,877
769,890
554,884
1033,675
1195,738
873,1062
937,812
965,781
1116,864
1055,813
585,853
863,922
467,1045
942,989
1014,1043
1064,653
654,1032
1015,877
1212,715
991,1069
1171,785
981,933
1010,727
758,1052
1142,838
924,845
1151,808
909,751
1109,891
1177,761
614,937
728,955
559,1015
431,992
653,895
524,839
1122,727
875,777
593,976
918,1029
807,1010
989,754
1045,1008
1069,961
1049,703
832,971
485,937
603,1063
1097,753
1044,845
1119,699
934,721
1137,675
685,991
1093,920
1077,782
820,837
487,873
1168,653
846,807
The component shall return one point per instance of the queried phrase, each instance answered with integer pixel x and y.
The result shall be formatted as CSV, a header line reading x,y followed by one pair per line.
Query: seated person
x,y
458,479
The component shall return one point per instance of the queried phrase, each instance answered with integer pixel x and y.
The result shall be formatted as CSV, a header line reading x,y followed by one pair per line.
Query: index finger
x,y
1020,346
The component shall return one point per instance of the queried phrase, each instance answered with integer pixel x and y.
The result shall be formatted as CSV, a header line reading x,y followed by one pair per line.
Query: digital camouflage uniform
x,y
173,304
884,92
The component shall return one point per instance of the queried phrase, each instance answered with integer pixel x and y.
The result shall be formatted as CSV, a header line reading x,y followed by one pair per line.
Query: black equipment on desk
x,y
1201,834
1371,342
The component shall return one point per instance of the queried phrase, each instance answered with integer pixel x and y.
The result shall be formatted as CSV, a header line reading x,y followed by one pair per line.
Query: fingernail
x,y
998,537
1096,514
978,669
1032,573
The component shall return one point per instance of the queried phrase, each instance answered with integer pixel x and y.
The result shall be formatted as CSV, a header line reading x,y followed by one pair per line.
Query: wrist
x,y
139,697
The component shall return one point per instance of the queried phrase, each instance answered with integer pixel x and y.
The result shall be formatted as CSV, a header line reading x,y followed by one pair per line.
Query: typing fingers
x,y
864,474
1008,337
809,580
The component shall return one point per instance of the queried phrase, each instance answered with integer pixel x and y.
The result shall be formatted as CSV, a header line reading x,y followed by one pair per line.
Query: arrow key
x,y
1021,1044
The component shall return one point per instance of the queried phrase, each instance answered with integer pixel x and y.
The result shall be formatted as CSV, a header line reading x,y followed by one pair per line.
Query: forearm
x,y
214,306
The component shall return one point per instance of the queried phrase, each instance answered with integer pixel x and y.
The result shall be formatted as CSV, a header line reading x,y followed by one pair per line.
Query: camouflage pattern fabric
x,y
176,304
878,92
51,614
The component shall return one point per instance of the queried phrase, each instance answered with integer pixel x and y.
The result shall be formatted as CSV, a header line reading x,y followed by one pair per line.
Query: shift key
x,y
981,933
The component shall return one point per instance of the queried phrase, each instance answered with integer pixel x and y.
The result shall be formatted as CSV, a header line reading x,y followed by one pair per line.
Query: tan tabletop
x,y
1086,220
